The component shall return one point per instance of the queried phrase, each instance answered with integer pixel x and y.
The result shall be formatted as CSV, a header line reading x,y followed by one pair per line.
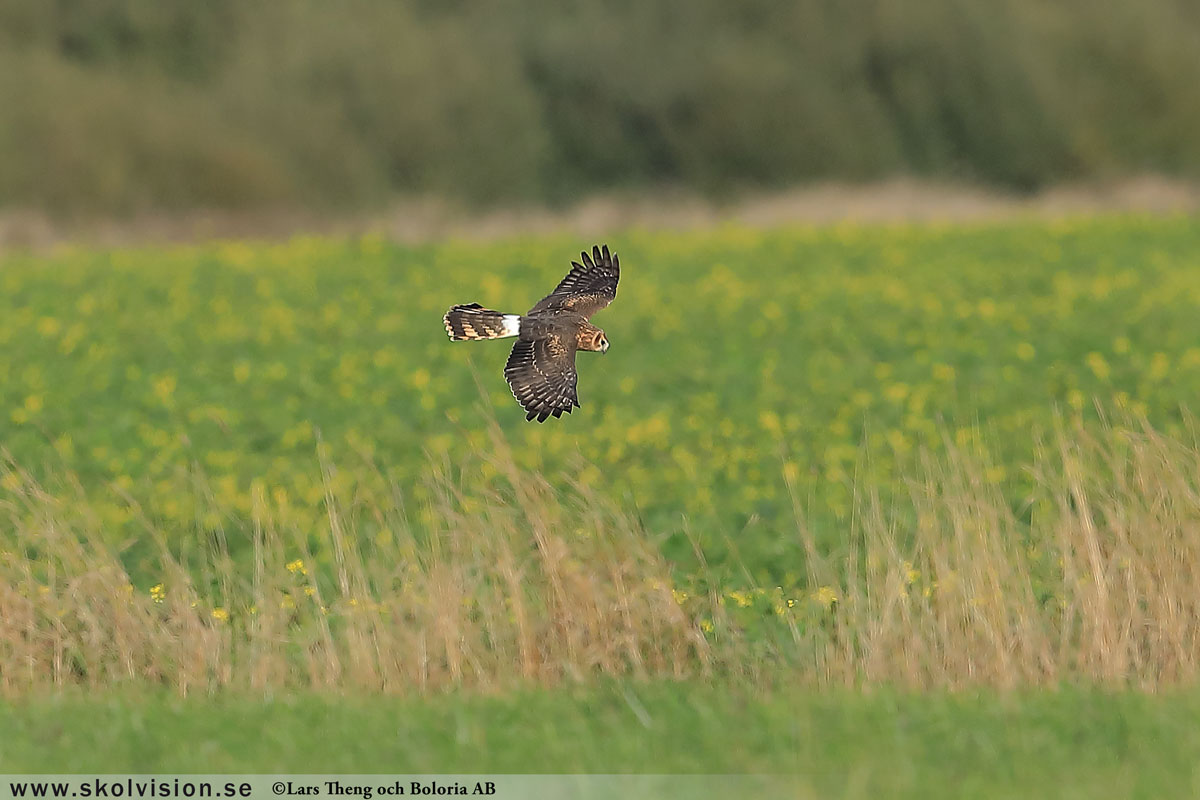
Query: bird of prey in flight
x,y
541,367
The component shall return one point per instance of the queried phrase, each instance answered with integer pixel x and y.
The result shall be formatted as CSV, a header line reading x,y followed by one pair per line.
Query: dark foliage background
x,y
116,106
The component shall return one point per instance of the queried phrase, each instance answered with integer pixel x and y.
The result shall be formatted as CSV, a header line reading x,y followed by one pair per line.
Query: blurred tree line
x,y
121,105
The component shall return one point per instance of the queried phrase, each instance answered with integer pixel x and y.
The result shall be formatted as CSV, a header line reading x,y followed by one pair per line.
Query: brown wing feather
x,y
542,376
588,287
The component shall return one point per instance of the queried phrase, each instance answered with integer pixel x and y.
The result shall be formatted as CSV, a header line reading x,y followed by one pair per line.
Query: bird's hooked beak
x,y
604,347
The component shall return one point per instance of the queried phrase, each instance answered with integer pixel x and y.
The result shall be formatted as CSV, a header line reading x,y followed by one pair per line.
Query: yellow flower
x,y
943,372
158,592
741,598
220,614
1098,365
825,596
1160,365
297,567
164,387
48,326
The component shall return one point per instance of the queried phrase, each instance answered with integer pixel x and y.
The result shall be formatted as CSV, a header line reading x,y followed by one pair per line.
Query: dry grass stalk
x,y
514,582
512,579
1098,582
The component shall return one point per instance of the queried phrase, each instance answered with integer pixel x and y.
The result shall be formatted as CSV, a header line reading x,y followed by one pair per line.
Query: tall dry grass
x,y
1095,578
517,582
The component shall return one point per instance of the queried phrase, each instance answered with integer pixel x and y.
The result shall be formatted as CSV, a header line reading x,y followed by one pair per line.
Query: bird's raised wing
x,y
542,376
588,287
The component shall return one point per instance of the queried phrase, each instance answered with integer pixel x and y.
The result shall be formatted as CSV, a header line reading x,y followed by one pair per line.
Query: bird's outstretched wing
x,y
542,376
588,287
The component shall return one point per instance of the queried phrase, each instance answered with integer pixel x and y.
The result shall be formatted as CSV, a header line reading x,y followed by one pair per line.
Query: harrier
x,y
541,368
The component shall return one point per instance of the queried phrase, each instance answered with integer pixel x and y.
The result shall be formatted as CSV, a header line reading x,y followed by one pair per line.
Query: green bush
x,y
120,105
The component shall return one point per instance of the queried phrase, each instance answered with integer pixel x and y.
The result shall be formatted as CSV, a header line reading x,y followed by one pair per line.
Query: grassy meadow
x,y
929,461
1073,743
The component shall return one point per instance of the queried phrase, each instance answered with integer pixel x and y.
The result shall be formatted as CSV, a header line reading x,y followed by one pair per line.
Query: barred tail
x,y
473,321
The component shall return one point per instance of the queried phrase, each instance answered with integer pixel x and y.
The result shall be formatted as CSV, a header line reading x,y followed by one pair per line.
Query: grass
x,y
523,582
871,477
516,586
736,355
1070,742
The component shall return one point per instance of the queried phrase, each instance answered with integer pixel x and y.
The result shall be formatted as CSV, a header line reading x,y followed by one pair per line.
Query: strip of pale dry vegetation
x,y
418,220
514,582
1094,578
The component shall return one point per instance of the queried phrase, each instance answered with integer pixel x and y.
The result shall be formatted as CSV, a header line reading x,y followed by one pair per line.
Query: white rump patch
x,y
511,324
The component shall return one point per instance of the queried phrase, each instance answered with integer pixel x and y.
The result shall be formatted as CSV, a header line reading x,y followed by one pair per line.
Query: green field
x,y
933,458
1083,744
737,357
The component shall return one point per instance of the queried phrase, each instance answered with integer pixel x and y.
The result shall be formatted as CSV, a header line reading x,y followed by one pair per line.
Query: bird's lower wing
x,y
542,377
